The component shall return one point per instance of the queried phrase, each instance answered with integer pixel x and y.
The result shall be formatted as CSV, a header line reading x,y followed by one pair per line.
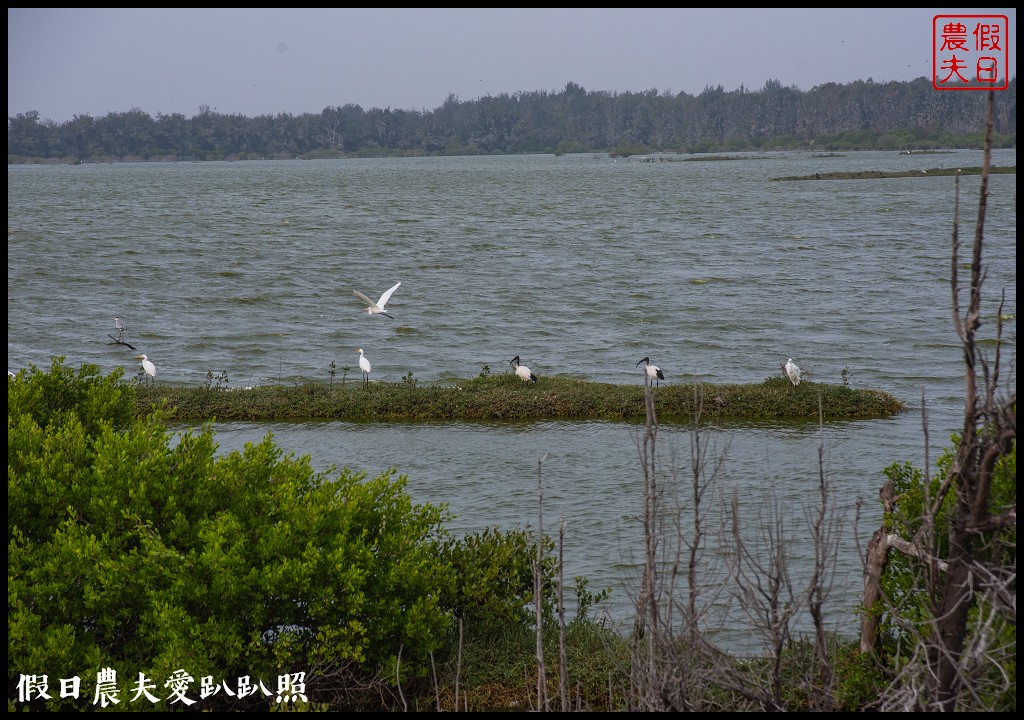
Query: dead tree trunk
x,y
989,430
875,562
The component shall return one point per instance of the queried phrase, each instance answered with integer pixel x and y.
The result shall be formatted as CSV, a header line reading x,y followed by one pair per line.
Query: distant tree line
x,y
860,115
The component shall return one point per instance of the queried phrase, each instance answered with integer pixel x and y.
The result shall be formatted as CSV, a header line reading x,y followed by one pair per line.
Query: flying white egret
x,y
654,372
364,364
121,325
522,371
377,308
792,371
148,366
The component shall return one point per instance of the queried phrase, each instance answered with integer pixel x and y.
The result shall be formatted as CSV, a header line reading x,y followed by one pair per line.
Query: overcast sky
x,y
67,62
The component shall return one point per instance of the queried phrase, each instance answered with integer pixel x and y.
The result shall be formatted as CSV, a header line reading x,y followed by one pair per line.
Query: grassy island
x,y
875,174
506,397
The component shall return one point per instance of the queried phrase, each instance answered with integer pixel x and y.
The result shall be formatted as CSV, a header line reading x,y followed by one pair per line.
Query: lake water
x,y
581,265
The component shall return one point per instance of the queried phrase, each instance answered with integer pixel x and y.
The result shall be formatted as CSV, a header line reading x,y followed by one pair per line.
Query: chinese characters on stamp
x,y
970,52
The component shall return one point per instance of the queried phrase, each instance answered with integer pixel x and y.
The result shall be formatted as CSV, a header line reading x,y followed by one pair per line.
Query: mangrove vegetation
x,y
861,115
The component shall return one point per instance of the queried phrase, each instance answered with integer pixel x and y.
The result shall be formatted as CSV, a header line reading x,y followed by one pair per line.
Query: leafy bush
x,y
131,552
904,581
495,579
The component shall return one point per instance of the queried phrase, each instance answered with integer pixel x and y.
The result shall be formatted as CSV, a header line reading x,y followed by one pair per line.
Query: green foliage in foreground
x,y
506,397
128,553
905,579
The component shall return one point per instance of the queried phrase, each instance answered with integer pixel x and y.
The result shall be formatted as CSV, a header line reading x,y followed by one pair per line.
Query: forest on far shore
x,y
861,115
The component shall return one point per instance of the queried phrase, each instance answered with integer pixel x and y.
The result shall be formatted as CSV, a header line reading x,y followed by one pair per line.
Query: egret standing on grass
x,y
792,371
654,372
148,366
522,371
377,308
364,365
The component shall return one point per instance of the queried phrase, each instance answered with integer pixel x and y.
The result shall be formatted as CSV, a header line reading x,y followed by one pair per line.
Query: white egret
x,y
792,371
121,326
377,308
364,365
654,372
522,371
148,366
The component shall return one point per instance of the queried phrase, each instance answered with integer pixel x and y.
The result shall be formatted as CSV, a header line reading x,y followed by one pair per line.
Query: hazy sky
x,y
67,62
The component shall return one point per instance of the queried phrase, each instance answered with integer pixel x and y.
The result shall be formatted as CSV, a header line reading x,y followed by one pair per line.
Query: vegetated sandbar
x,y
506,397
875,174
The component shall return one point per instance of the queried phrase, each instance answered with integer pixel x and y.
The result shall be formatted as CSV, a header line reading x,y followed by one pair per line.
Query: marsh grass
x,y
875,174
500,669
506,397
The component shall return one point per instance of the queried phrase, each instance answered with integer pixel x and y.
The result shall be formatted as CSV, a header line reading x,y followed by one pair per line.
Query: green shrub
x,y
905,579
131,552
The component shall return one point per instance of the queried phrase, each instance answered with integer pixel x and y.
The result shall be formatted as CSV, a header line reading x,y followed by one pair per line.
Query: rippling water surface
x,y
579,264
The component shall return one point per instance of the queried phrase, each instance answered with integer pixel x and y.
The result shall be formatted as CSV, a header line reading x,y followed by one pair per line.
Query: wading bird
x,y
522,371
148,366
654,372
121,326
377,308
364,364
792,371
